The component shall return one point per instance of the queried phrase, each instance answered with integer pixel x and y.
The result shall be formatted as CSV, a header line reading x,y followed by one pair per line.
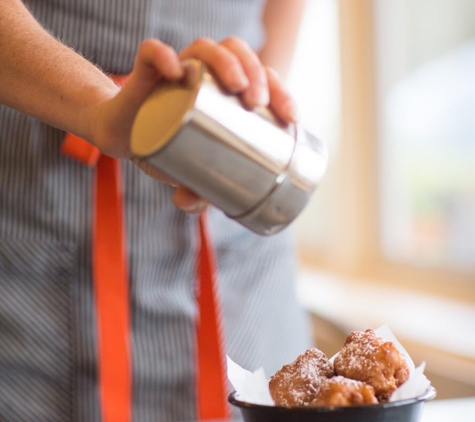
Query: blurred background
x,y
389,237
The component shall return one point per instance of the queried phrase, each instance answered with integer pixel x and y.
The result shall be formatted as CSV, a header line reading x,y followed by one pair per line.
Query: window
x,y
390,86
426,74
314,81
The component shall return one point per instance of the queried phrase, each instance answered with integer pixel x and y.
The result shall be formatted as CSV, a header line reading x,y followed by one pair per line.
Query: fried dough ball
x,y
368,358
297,383
341,391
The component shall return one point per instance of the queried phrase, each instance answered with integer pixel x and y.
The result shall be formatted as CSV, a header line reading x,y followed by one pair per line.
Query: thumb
x,y
188,201
154,60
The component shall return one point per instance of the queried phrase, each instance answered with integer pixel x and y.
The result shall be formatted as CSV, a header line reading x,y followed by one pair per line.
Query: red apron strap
x,y
110,278
112,293
81,150
211,380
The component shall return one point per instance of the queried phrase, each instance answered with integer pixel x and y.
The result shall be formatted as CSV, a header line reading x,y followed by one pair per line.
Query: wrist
x,y
90,117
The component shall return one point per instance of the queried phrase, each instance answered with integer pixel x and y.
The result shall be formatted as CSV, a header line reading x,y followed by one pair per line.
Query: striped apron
x,y
48,334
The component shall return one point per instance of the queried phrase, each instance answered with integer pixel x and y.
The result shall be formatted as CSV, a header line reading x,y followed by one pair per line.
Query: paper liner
x,y
253,387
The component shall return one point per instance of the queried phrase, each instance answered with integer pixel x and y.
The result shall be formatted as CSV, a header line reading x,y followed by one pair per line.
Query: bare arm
x,y
41,76
281,20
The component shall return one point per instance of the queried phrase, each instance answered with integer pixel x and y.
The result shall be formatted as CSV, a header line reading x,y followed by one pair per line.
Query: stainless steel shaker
x,y
258,171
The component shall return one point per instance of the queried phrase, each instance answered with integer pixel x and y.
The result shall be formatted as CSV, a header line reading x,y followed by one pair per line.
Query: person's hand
x,y
232,62
240,71
113,119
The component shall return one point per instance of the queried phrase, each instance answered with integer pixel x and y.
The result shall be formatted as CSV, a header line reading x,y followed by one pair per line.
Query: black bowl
x,y
399,411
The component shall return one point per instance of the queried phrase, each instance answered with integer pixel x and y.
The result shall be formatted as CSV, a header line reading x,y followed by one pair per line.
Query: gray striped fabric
x,y
48,344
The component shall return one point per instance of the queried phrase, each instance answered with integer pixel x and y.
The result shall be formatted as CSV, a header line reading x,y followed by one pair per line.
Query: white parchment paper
x,y
253,387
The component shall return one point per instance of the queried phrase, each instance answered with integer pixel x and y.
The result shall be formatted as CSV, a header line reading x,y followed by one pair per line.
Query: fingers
x,y
183,198
188,201
257,93
220,61
232,60
152,171
235,65
281,101
154,60
240,71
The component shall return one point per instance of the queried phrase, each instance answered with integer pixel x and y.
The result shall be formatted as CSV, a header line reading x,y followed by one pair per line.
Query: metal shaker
x,y
258,171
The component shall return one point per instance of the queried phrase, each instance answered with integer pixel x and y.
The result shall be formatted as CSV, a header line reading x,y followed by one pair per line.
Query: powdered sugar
x,y
252,388
297,383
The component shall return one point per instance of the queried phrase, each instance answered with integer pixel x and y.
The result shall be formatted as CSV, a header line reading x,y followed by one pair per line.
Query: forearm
x,y
281,21
44,78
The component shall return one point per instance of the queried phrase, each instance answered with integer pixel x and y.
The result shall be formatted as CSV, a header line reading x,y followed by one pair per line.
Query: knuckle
x,y
202,41
145,46
168,50
272,72
234,41
149,46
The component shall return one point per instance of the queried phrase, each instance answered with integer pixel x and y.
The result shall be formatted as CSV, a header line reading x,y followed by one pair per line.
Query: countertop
x,y
452,410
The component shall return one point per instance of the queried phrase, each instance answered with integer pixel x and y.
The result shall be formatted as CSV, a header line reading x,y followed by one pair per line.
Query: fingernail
x,y
191,76
239,79
291,111
195,207
261,96
257,96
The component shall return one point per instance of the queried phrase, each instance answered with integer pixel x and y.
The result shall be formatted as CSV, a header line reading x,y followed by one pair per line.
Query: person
x,y
55,60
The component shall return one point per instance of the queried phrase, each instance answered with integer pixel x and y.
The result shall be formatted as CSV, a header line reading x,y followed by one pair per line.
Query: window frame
x,y
356,252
